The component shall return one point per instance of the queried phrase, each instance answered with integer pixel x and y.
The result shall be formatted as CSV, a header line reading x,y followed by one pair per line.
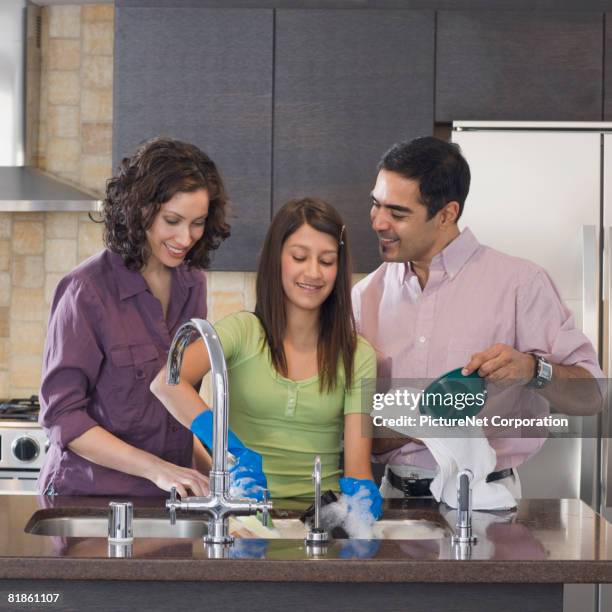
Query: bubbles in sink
x,y
238,488
352,514
245,487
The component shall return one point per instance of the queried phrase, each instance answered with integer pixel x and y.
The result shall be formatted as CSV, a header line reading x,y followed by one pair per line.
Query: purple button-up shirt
x,y
475,297
107,339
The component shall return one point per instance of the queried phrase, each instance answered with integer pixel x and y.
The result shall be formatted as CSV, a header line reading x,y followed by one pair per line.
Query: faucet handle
x,y
265,513
464,485
316,470
463,533
171,504
316,477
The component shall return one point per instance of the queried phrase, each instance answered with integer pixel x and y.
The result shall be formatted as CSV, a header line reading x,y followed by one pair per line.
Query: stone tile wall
x,y
76,110
73,143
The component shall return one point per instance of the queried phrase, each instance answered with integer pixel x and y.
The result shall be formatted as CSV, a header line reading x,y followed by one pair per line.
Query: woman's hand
x,y
102,447
166,475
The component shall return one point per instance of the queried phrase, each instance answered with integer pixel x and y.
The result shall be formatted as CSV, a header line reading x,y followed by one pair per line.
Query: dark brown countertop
x,y
544,541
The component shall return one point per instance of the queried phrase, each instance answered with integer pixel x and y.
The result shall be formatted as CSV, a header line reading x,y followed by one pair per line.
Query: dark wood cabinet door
x,y
519,66
347,85
204,76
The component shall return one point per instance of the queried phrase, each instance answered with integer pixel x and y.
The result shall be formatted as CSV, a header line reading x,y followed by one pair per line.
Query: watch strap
x,y
543,373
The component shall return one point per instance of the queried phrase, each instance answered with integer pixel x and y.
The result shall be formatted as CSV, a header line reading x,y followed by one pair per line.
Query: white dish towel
x,y
475,453
452,454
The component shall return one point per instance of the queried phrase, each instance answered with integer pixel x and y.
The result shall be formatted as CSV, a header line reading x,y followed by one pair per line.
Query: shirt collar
x,y
132,282
183,278
453,257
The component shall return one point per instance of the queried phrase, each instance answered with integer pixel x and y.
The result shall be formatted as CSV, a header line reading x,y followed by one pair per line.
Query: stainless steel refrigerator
x,y
543,191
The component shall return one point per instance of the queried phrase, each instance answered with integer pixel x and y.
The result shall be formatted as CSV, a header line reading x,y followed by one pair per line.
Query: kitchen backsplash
x,y
74,143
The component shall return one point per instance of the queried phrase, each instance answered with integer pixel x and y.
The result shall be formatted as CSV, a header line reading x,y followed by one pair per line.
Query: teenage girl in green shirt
x,y
295,366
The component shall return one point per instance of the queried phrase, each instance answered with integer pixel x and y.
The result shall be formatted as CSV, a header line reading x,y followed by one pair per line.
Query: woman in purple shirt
x,y
111,324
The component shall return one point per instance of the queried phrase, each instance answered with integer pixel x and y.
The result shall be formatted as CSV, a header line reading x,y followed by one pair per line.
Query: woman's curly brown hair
x,y
158,170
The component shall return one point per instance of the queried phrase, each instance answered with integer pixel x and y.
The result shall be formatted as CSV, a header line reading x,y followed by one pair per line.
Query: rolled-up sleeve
x,y
71,362
545,326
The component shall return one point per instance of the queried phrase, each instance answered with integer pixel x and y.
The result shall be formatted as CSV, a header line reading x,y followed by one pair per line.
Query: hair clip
x,y
340,240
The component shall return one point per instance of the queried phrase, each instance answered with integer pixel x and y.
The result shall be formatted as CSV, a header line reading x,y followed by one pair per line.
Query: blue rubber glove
x,y
202,426
247,478
358,549
246,475
363,495
248,549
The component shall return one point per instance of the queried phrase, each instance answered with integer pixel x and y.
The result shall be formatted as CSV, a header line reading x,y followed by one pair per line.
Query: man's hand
x,y
503,365
573,389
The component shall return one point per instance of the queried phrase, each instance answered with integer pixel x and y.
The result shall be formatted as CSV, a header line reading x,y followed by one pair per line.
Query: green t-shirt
x,y
288,422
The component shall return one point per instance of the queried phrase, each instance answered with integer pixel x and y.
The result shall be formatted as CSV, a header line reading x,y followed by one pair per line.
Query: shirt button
x,y
422,339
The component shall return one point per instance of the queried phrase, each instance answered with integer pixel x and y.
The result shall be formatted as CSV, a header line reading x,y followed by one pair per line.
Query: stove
x,y
20,409
23,445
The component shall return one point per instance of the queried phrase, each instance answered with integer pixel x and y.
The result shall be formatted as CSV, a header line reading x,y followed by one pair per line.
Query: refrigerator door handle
x,y
606,354
604,424
590,479
590,282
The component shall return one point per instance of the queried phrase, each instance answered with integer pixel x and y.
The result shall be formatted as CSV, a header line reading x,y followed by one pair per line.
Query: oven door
x,y
18,482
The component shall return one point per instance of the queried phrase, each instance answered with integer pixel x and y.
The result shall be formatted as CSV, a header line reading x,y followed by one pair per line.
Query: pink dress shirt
x,y
475,297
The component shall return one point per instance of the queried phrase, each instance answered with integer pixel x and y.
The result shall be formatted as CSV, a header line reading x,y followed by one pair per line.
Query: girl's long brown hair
x,y
337,335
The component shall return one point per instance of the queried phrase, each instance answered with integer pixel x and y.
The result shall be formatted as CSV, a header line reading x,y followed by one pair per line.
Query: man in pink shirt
x,y
441,300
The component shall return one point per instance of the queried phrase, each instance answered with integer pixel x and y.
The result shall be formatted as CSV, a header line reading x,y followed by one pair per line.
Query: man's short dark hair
x,y
438,166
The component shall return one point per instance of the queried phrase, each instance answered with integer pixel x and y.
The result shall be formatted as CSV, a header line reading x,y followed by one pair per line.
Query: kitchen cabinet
x,y
204,76
512,66
288,103
347,85
293,102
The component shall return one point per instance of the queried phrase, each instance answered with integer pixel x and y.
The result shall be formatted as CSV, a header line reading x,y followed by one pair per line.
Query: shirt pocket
x,y
134,368
460,351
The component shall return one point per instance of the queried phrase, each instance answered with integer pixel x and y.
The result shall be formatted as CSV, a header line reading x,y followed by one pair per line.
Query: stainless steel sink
x,y
243,527
385,529
97,527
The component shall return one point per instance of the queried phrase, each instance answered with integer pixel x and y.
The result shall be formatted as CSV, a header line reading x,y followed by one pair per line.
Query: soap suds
x,y
352,513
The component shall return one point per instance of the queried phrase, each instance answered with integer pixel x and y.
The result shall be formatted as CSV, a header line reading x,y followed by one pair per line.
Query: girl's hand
x,y
363,496
246,475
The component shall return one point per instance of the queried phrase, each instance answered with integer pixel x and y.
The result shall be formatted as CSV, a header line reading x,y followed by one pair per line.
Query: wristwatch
x,y
543,373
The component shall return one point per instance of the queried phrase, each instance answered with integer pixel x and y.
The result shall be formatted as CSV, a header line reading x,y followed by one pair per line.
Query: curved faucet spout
x,y
220,407
219,505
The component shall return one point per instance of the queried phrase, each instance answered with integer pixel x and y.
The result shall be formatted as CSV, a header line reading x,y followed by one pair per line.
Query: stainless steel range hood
x,y
26,189
22,187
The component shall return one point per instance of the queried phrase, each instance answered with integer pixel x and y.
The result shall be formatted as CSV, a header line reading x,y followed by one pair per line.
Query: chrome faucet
x,y
463,538
317,535
218,504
